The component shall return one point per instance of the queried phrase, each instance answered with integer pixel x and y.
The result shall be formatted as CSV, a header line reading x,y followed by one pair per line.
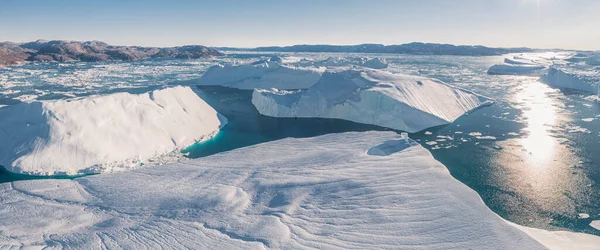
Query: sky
x,y
565,24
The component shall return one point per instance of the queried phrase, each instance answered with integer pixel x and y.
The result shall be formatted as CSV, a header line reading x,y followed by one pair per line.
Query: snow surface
x,y
103,133
334,195
402,102
268,73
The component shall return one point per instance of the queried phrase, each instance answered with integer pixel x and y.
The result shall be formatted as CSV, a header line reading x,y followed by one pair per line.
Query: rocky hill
x,y
91,51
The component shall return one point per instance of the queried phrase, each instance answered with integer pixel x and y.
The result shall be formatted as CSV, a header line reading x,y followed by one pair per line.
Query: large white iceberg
x,y
560,79
402,102
579,72
268,73
103,133
516,65
515,69
368,190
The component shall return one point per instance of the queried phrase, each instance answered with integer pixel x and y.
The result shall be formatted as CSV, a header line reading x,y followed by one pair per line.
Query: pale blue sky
x,y
569,24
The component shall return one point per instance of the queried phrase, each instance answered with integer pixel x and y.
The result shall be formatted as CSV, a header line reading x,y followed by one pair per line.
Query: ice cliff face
x,y
103,133
344,191
268,73
402,102
560,79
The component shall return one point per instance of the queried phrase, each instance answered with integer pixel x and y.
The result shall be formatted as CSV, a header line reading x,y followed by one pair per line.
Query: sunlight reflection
x,y
540,115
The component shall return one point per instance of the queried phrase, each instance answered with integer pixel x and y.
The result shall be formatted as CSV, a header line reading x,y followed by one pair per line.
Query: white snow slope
x,y
402,102
269,73
338,191
103,133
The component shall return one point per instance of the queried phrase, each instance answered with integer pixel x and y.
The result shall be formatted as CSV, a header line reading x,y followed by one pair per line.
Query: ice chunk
x,y
583,216
269,73
558,78
102,133
515,69
402,102
595,224
374,63
588,119
332,195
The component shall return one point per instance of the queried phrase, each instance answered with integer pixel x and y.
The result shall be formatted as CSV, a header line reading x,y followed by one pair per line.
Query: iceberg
x,y
519,65
373,63
368,190
559,78
401,102
268,73
103,133
515,69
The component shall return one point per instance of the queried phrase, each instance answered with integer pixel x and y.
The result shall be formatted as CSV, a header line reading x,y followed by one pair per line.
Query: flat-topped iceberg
x,y
560,79
334,195
103,133
518,66
515,69
374,63
579,72
268,73
402,102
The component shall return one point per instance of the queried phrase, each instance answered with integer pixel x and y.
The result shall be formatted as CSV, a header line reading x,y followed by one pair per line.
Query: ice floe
x,y
269,196
583,216
103,133
402,102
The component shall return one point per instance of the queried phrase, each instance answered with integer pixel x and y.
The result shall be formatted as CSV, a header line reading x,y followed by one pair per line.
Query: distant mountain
x,y
409,48
90,51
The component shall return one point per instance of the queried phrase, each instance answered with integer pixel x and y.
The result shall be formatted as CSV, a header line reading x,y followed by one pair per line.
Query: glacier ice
x,y
402,102
374,63
517,65
103,133
267,73
515,69
334,195
561,79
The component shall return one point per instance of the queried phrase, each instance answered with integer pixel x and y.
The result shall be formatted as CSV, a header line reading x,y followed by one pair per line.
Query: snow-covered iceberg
x,y
373,63
517,66
560,79
268,73
579,72
515,69
334,195
402,102
103,133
